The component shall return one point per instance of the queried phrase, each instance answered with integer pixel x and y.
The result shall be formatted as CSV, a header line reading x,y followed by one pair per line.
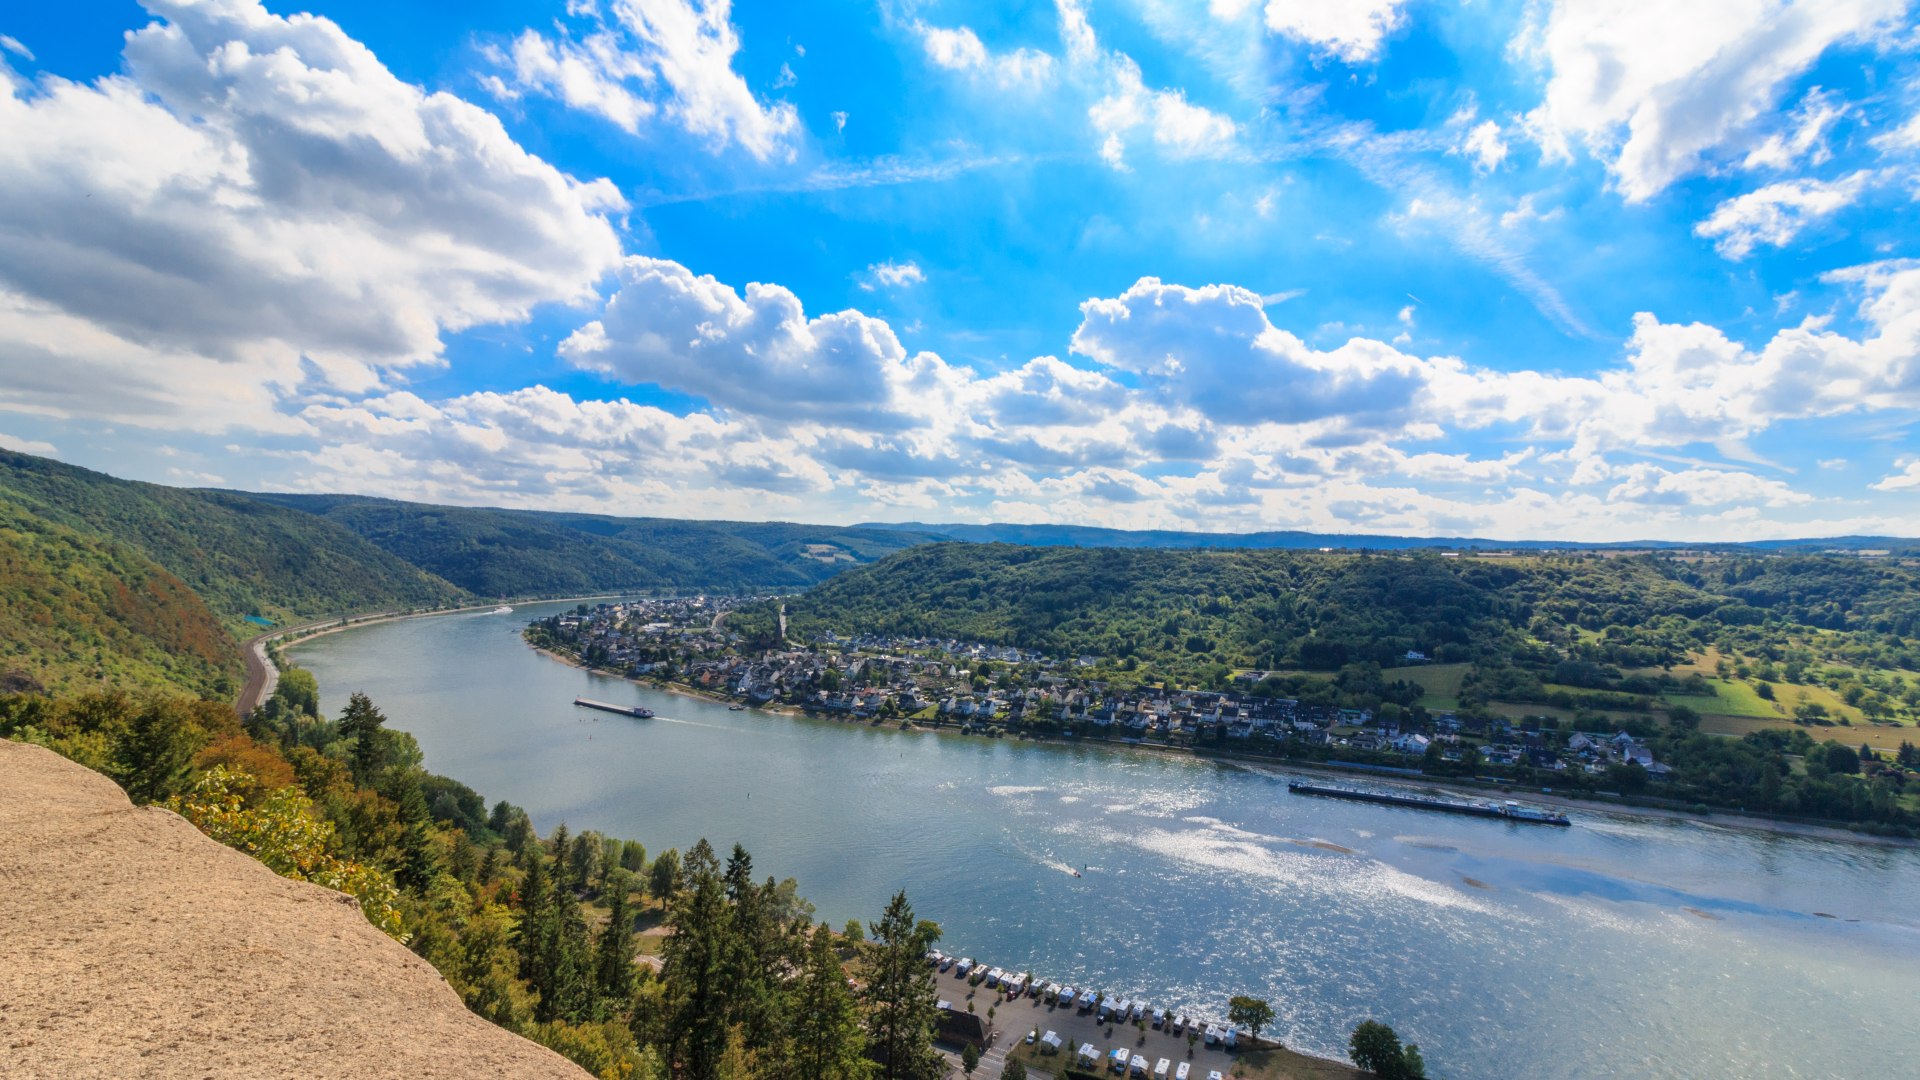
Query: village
x,y
999,691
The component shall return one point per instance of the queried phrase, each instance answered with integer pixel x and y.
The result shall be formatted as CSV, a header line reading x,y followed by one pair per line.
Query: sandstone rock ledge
x,y
131,945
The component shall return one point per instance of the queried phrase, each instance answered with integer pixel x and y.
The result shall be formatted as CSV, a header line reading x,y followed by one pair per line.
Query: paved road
x,y
1013,1019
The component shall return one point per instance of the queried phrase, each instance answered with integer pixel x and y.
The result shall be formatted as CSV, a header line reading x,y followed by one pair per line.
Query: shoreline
x,y
1725,819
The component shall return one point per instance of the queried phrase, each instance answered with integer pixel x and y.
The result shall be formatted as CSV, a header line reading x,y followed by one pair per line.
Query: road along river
x,y
1623,946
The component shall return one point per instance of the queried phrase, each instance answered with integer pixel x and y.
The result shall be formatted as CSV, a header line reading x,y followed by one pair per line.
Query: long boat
x,y
1509,810
640,711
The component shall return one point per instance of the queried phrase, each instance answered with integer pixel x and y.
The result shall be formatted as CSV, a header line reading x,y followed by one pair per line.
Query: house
x,y
1415,656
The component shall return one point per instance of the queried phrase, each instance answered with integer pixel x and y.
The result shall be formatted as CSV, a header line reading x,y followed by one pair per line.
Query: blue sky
x,y
1541,269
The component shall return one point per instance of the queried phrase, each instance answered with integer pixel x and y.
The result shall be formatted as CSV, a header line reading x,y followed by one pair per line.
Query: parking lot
x,y
1013,1019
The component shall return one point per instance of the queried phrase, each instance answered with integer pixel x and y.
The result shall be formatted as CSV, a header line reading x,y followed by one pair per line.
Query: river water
x,y
1624,946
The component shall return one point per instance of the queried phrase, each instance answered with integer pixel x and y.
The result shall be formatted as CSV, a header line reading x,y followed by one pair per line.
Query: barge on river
x,y
1509,810
640,711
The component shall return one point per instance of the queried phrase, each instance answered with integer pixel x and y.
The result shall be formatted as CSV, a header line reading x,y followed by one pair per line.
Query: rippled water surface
x,y
1624,946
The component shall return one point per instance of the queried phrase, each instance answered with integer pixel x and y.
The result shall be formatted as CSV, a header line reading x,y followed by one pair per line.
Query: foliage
x,y
535,553
1376,1048
282,832
1249,1012
240,555
80,611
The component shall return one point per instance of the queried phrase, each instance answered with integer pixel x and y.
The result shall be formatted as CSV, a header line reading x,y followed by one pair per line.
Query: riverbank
x,y
1269,765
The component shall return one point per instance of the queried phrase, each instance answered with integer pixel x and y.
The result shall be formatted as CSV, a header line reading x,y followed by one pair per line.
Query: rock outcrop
x,y
131,945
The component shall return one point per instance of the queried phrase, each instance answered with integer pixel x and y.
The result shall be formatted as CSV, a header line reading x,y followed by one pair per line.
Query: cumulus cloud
x,y
1485,146
259,204
1906,479
1775,214
642,58
1349,30
1658,90
1806,140
892,275
1702,487
960,49
758,353
26,446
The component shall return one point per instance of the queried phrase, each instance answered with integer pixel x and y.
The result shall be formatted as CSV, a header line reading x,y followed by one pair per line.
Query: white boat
x,y
503,609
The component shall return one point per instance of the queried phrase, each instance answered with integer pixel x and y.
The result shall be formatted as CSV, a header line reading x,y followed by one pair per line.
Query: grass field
x,y
1732,697
1880,738
1440,681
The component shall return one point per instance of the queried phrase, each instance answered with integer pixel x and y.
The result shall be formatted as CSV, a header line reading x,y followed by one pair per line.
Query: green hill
x,y
244,557
81,612
1185,612
534,553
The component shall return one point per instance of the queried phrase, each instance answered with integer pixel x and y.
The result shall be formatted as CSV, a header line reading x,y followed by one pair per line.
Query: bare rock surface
x,y
131,945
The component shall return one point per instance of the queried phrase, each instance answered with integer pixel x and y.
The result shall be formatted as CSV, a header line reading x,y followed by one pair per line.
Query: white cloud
x,y
1126,105
1658,89
1906,479
892,275
960,49
256,205
758,353
1485,146
1524,213
1775,214
26,446
1178,127
1701,487
9,43
1807,141
673,58
1350,30
839,121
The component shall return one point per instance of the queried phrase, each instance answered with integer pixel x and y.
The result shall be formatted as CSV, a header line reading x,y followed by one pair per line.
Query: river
x,y
1624,946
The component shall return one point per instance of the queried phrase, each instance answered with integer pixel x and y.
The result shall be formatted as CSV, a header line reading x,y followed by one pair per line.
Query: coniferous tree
x,y
900,994
613,954
827,1041
155,749
361,724
419,859
560,842
695,966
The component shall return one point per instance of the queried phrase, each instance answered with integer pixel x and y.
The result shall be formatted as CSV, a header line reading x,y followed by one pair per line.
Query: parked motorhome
x,y
1162,1069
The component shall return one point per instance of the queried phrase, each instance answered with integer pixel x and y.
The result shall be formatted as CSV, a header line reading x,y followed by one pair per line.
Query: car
x,y
1032,1035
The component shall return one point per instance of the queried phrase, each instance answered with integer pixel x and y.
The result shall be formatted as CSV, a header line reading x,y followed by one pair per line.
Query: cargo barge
x,y
1509,810
640,711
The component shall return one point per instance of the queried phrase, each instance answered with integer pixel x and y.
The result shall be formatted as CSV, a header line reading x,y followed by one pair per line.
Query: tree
x,y
969,1059
1014,1071
663,878
1841,759
900,994
1250,1012
695,966
1375,1048
613,953
826,1038
360,725
155,750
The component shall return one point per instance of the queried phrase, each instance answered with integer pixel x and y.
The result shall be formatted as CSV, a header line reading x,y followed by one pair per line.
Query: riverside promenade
x,y
1014,1018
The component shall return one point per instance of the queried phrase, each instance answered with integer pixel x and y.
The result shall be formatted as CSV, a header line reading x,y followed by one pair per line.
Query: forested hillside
x,y
522,552
1183,612
81,612
240,555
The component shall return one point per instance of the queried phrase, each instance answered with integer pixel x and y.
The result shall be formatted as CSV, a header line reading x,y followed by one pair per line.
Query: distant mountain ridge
x,y
1296,540
495,552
